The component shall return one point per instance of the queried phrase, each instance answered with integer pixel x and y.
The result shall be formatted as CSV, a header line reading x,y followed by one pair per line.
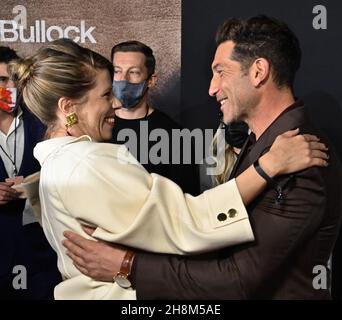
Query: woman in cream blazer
x,y
85,182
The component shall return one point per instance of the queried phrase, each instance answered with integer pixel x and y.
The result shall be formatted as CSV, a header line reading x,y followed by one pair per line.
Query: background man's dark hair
x,y
7,55
137,46
263,37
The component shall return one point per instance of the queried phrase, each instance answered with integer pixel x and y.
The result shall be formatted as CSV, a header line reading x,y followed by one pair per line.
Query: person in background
x,y
22,241
134,77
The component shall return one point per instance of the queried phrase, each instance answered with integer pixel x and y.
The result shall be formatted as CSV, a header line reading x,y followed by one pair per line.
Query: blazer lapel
x,y
33,133
242,153
3,172
27,147
292,118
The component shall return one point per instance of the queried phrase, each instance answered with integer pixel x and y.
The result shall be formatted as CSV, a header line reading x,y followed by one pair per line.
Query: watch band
x,y
126,264
270,182
263,174
122,277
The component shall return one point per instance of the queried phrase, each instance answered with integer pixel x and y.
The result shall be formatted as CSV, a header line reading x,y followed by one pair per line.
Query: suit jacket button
x,y
221,217
232,213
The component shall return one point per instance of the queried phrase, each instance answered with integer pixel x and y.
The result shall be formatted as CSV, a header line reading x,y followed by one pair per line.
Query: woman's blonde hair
x,y
223,155
60,69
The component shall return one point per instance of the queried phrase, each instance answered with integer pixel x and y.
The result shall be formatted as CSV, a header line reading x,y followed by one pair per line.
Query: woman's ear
x,y
152,82
66,106
260,71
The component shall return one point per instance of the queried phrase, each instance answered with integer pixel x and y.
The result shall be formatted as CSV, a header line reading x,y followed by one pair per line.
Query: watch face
x,y
122,281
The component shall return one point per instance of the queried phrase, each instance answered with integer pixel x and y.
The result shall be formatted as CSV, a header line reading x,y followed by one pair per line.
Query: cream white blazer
x,y
103,185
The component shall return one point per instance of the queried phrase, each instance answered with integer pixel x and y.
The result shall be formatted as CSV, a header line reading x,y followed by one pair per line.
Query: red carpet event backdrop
x,y
98,25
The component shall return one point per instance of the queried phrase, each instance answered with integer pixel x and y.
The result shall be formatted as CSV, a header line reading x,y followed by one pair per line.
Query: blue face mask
x,y
130,94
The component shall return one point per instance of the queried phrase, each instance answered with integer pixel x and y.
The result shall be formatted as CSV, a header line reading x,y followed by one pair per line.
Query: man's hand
x,y
7,193
96,259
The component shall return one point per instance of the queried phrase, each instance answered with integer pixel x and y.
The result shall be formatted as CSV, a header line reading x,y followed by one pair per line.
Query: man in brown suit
x,y
295,220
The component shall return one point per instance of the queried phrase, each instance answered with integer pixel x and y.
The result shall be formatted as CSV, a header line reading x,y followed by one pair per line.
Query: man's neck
x,y
6,120
269,108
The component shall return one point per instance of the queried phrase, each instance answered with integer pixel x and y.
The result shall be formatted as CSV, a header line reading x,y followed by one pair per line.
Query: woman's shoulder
x,y
83,148
58,147
69,150
86,148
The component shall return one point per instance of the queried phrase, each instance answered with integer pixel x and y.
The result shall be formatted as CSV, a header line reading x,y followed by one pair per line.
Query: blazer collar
x,y
44,149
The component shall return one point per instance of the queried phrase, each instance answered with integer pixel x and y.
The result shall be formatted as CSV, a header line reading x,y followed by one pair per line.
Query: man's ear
x,y
260,71
152,82
66,106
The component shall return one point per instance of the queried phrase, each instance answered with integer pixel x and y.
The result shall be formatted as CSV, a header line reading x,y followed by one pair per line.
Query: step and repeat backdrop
x,y
99,25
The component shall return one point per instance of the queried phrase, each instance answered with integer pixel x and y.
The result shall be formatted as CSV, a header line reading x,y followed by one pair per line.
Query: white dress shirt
x,y
11,141
14,140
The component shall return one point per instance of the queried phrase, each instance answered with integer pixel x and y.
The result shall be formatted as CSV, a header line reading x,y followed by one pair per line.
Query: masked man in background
x,y
134,75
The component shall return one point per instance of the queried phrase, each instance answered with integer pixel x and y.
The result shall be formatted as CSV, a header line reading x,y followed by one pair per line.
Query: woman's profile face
x,y
96,115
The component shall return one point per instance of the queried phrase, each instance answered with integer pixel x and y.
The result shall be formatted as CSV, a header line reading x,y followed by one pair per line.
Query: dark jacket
x,y
293,234
26,245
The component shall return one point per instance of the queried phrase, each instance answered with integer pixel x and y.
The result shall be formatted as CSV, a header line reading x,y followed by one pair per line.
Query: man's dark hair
x,y
263,37
137,46
7,55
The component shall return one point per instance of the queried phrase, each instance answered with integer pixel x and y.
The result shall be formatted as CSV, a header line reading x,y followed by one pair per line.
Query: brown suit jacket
x,y
293,233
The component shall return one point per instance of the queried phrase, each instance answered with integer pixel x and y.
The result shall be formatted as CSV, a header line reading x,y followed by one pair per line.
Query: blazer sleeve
x,y
131,207
238,273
